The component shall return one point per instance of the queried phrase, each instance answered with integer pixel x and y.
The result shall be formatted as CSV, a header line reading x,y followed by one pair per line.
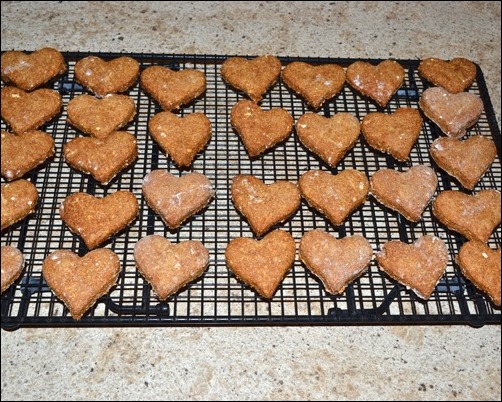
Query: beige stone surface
x,y
375,363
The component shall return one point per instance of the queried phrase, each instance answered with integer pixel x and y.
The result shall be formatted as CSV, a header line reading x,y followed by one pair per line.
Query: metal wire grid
x,y
218,297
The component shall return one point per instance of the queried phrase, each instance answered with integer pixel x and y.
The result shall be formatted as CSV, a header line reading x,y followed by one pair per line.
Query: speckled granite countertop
x,y
375,363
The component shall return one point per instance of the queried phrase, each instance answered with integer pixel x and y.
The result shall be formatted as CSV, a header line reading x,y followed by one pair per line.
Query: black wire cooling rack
x,y
218,297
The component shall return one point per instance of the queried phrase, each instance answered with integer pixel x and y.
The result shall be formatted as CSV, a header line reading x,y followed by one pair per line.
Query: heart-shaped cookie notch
x,y
12,262
262,264
264,205
169,267
455,75
19,198
336,262
80,281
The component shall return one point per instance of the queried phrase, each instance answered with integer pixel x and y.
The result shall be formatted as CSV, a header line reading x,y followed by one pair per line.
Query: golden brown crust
x,y
12,262
455,75
19,198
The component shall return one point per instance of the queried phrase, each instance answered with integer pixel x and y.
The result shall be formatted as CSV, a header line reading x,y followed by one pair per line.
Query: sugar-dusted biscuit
x,y
455,75
452,113
335,196
103,159
172,89
474,216
481,265
25,111
29,71
329,138
262,264
107,77
19,198
465,160
253,77
12,262
100,117
95,219
395,133
169,267
315,84
24,152
80,281
181,137
176,199
260,130
378,82
336,262
264,205
418,266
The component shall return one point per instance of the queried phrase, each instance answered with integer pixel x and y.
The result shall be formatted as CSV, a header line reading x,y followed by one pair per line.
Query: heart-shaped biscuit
x,y
335,196
474,216
315,84
455,76
453,113
418,266
481,265
253,77
19,198
395,133
259,129
181,137
466,160
29,71
169,267
172,88
25,111
262,264
94,219
176,199
12,262
106,77
264,205
377,82
80,281
102,159
337,262
100,117
24,152
330,138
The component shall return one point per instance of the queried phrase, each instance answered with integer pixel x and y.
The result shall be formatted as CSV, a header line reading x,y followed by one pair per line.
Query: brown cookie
x,y
169,267
19,198
379,82
262,264
329,138
337,262
481,265
394,134
253,77
453,113
29,71
80,281
405,192
465,160
172,88
259,129
100,117
12,262
107,77
181,137
24,152
176,199
455,75
335,196
94,219
264,205
474,216
25,111
418,266
315,84
103,159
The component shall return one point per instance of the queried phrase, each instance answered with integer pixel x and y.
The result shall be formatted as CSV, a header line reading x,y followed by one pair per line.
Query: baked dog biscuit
x,y
19,199
12,262
455,75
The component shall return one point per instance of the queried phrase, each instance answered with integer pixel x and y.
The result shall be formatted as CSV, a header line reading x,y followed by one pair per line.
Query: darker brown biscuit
x,y
19,198
12,261
455,75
